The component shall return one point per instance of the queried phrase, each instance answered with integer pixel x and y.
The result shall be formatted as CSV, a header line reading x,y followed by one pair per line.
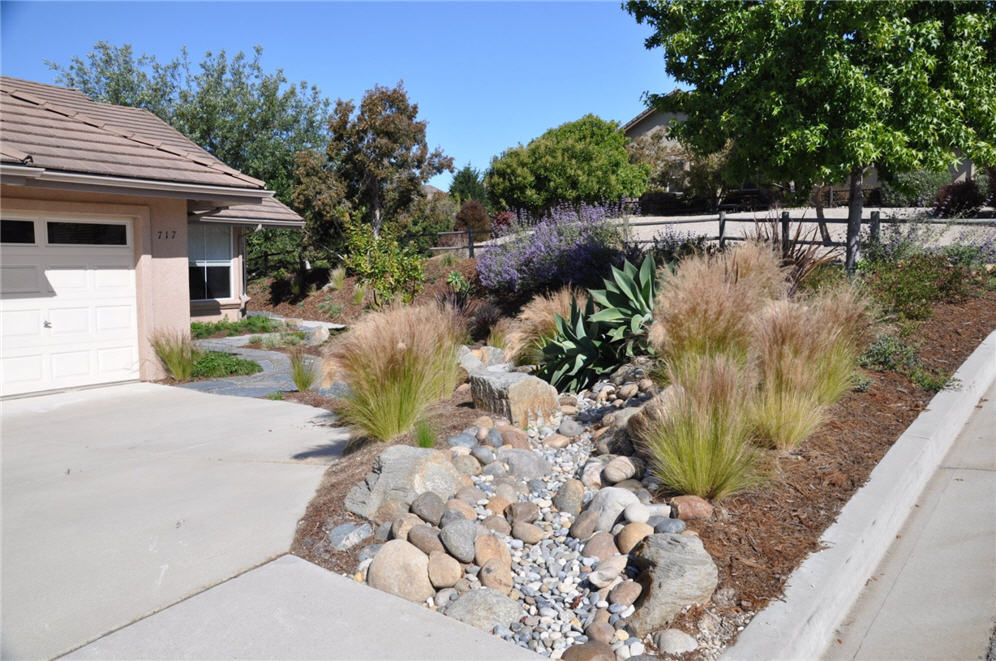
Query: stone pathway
x,y
274,377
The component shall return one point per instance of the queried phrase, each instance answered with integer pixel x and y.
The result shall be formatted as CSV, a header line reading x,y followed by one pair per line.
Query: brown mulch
x,y
758,538
275,295
446,418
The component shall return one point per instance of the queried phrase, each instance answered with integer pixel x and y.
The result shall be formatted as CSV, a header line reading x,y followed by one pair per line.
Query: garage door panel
x,y
19,279
68,316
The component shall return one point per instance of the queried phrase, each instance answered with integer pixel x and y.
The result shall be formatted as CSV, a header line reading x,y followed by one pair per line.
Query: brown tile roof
x,y
61,129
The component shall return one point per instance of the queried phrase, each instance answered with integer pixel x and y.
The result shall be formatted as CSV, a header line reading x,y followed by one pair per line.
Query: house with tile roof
x,y
113,227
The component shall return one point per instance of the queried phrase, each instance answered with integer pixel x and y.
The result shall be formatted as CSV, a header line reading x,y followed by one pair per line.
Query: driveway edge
x,y
820,593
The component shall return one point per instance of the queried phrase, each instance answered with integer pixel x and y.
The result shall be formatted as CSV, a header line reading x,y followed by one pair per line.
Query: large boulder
x,y
398,476
676,571
519,397
401,569
609,503
485,608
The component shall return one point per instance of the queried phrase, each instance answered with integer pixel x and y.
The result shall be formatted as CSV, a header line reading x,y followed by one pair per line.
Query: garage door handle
x,y
46,324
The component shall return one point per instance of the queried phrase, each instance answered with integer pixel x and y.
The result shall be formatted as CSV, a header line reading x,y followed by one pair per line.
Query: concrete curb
x,y
822,590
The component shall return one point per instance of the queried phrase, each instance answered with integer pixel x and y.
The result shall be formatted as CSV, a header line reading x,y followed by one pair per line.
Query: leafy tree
x,y
667,159
820,91
375,162
468,184
584,161
472,216
249,118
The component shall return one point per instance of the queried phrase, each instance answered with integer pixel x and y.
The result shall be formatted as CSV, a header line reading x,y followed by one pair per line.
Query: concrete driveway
x,y
120,501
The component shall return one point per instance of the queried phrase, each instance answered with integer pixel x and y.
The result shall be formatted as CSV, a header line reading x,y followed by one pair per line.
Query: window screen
x,y
17,231
210,256
91,234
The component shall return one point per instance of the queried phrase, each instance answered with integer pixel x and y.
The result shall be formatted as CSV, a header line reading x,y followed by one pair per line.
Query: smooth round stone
x,y
607,571
625,593
425,538
631,535
402,570
675,641
636,513
470,495
462,586
493,438
644,496
497,505
584,525
459,537
467,465
673,526
494,469
403,524
429,507
449,516
506,491
570,497
483,454
557,441
536,486
620,469
445,596
601,632
444,571
522,512
590,651
495,574
570,427
601,546
527,532
498,524
463,507
465,439
489,547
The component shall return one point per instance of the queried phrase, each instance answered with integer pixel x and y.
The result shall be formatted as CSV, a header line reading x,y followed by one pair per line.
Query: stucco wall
x,y
160,230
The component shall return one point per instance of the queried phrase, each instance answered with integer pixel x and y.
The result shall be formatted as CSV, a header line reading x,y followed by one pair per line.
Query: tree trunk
x,y
820,217
855,206
376,220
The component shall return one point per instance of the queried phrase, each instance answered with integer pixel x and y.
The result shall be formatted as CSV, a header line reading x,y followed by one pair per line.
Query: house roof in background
x,y
639,118
52,128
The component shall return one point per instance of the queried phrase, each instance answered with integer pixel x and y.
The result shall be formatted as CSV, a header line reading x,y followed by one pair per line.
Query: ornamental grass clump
x,y
396,362
175,351
302,369
536,325
706,307
698,431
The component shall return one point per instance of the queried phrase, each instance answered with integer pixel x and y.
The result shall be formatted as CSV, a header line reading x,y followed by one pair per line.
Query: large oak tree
x,y
821,91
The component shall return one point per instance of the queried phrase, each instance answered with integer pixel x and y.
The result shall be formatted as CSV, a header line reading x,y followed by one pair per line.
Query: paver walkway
x,y
934,594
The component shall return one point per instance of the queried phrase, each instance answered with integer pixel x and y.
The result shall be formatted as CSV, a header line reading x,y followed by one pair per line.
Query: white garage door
x,y
67,304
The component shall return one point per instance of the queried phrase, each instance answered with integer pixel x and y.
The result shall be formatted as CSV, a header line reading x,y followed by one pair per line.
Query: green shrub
x,y
245,326
302,370
218,364
175,351
425,437
359,293
907,287
330,308
458,283
396,361
337,277
391,270
698,433
891,354
913,189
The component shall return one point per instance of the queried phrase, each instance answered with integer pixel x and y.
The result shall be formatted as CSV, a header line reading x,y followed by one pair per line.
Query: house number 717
x,y
166,234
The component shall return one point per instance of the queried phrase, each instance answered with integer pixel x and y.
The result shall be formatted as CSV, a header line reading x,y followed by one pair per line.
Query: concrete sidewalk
x,y
934,594
292,609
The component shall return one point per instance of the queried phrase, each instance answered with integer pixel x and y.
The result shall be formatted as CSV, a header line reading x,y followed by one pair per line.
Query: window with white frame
x,y
209,249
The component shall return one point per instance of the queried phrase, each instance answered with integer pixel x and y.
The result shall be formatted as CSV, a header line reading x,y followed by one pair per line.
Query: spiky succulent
x,y
627,306
578,354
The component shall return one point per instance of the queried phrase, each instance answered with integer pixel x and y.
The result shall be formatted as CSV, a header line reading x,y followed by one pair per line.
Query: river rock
x,y
485,609
498,523
527,532
401,569
601,546
496,575
557,441
607,571
471,495
601,632
429,507
449,516
524,464
399,474
570,428
569,497
459,537
675,641
631,535
591,474
463,440
609,504
513,437
625,593
466,464
677,572
584,525
459,505
489,547
636,513
691,507
483,453
444,571
526,512
347,535
590,651
669,525
621,468
403,524
425,538
519,397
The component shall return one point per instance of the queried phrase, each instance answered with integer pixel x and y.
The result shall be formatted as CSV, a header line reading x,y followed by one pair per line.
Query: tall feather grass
x,y
706,307
536,325
396,362
175,351
302,369
698,432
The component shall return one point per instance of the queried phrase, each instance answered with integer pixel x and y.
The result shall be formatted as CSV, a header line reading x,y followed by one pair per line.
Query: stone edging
x,y
822,590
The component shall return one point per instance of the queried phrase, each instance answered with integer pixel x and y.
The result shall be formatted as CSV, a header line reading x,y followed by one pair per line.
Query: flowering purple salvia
x,y
568,245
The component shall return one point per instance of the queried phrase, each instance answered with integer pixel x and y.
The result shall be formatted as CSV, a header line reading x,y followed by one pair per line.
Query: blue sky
x,y
485,75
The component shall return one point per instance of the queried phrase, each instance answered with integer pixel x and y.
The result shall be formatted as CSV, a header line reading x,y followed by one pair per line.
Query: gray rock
x,y
495,469
429,507
483,453
584,525
621,468
383,531
467,360
678,572
399,474
609,503
675,641
570,497
518,397
458,537
445,596
672,526
471,495
570,427
425,538
462,440
369,552
467,465
526,512
493,438
524,464
401,569
634,513
347,535
337,390
449,516
485,609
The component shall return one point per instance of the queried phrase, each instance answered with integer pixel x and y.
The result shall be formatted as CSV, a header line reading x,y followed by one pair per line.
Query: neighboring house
x,y
114,227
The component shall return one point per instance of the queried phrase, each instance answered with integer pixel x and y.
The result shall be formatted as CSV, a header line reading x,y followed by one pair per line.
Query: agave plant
x,y
578,354
627,306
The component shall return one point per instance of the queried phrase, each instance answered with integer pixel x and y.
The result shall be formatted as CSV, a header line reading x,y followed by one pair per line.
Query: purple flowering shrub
x,y
566,246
